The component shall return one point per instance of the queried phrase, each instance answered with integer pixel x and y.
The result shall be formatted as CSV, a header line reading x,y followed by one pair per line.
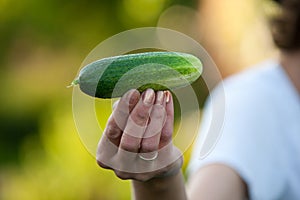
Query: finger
x,y
150,140
137,122
115,104
124,107
167,130
117,121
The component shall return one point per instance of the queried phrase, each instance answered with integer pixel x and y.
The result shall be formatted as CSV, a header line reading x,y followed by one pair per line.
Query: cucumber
x,y
113,76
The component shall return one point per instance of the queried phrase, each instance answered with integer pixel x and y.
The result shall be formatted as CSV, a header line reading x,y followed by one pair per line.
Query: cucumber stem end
x,y
75,82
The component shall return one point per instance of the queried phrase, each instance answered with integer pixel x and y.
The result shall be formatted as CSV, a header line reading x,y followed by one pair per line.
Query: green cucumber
x,y
113,76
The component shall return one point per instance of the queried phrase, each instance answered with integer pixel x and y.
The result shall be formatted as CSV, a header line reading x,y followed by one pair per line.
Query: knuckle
x,y
142,177
159,115
142,116
123,175
102,165
159,111
165,138
131,145
113,131
148,146
123,110
114,124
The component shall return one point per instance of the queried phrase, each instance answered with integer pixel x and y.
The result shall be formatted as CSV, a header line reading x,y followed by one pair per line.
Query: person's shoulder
x,y
253,87
258,77
259,81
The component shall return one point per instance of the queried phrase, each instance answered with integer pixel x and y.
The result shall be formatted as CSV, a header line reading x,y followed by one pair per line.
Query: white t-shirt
x,y
260,138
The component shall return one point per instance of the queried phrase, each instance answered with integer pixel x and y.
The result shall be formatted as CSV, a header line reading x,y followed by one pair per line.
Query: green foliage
x,y
62,168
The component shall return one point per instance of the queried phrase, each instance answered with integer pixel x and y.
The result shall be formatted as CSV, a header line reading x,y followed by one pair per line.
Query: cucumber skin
x,y
156,70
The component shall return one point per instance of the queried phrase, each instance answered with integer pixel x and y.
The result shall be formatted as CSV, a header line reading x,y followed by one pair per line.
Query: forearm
x,y
172,187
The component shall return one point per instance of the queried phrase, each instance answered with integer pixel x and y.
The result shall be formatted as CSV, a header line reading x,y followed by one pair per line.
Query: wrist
x,y
158,184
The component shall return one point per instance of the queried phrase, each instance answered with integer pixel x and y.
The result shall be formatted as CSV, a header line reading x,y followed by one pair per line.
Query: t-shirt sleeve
x,y
249,140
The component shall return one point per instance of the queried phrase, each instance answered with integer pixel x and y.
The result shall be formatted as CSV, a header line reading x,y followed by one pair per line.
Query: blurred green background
x,y
42,45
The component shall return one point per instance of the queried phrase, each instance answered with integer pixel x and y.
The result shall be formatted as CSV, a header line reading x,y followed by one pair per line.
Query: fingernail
x,y
134,97
128,94
148,97
159,97
167,96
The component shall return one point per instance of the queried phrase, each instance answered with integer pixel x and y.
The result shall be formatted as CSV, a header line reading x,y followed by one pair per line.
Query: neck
x,y
290,61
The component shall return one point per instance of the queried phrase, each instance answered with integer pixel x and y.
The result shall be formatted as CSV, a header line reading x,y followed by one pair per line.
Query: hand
x,y
137,141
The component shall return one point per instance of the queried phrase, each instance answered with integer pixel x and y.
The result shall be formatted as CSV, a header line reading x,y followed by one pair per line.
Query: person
x,y
257,155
